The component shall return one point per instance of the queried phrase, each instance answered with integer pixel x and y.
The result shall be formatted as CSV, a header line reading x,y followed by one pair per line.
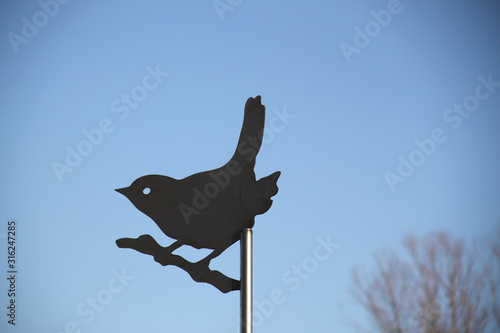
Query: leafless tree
x,y
492,276
441,285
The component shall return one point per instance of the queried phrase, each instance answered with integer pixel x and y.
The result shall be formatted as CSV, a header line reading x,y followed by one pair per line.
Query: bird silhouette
x,y
209,209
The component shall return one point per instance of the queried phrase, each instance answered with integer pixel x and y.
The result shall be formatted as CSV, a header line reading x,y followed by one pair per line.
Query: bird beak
x,y
122,190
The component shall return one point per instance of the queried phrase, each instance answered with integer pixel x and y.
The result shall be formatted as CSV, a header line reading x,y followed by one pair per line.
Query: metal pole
x,y
246,281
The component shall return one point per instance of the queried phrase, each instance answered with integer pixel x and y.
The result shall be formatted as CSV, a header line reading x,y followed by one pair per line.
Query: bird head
x,y
147,193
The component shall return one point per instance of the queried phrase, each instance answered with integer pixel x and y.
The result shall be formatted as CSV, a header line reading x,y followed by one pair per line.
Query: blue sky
x,y
344,121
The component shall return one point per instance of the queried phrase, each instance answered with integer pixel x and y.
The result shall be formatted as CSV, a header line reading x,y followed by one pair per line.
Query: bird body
x,y
209,209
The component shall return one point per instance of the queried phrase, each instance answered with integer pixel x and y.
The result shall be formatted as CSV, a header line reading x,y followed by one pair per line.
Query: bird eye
x,y
146,190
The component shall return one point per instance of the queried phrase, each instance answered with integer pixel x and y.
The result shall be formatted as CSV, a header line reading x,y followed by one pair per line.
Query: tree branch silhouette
x,y
199,271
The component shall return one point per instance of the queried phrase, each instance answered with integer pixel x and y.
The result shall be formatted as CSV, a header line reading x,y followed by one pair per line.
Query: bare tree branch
x,y
199,272
441,288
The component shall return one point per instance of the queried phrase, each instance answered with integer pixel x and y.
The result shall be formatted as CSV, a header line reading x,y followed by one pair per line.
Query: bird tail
x,y
267,187
251,134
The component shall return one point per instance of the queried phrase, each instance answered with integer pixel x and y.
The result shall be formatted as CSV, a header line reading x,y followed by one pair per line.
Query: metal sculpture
x,y
210,209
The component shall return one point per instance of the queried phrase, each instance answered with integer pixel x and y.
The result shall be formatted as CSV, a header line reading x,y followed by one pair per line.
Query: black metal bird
x,y
209,209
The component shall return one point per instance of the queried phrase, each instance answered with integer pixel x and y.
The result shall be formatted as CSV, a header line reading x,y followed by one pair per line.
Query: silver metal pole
x,y
246,281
